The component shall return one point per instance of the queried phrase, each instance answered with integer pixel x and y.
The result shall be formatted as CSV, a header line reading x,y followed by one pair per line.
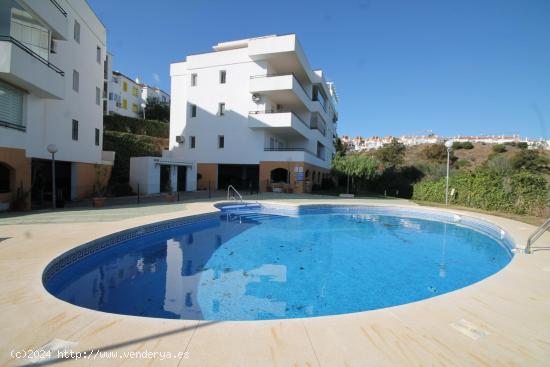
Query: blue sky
x,y
400,66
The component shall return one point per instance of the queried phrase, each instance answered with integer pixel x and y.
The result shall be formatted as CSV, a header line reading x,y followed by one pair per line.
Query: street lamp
x,y
449,146
52,148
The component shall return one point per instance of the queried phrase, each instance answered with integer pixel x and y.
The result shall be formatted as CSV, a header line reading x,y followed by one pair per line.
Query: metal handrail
x,y
230,187
56,4
536,235
32,53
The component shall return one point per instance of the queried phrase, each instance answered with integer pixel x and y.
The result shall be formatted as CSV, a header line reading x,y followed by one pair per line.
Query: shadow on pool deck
x,y
127,343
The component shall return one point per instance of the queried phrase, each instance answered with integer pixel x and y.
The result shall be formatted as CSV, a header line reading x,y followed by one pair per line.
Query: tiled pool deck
x,y
502,320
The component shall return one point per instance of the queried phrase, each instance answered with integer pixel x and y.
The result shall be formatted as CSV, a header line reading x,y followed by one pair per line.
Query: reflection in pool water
x,y
281,267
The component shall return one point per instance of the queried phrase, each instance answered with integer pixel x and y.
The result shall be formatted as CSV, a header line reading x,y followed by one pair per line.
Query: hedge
x,y
521,193
136,126
130,145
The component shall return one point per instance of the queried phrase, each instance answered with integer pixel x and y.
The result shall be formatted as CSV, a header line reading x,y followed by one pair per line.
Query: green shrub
x,y
136,126
531,161
436,153
461,163
129,145
457,145
522,193
499,148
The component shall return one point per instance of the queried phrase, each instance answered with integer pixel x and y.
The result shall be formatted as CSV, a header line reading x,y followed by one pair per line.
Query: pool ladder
x,y
231,191
536,235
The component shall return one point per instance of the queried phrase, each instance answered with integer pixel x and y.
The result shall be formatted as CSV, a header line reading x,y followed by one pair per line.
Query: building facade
x,y
126,96
253,114
51,80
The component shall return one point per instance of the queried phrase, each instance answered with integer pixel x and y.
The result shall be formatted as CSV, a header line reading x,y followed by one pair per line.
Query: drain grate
x,y
469,329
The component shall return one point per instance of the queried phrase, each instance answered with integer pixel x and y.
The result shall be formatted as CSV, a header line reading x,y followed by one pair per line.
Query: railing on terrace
x,y
32,53
290,149
56,4
280,111
275,75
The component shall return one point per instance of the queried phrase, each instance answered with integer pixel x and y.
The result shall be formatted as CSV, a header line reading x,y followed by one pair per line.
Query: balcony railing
x,y
32,53
275,75
56,4
279,111
290,149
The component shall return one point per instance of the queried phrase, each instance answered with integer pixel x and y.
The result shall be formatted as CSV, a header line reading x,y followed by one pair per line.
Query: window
x,y
221,109
76,80
125,103
97,137
97,95
134,91
125,86
193,80
110,96
98,55
11,107
75,130
134,108
222,76
193,110
77,31
192,142
221,141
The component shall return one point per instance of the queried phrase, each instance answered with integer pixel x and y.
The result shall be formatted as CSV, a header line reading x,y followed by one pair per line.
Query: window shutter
x,y
11,105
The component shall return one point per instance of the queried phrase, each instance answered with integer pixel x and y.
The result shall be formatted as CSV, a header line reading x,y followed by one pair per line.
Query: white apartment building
x,y
252,113
52,56
126,96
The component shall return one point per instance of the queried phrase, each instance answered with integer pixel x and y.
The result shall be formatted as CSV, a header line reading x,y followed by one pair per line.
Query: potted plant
x,y
169,195
98,198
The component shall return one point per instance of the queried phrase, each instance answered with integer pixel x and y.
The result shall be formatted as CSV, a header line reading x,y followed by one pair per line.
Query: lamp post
x,y
449,146
52,148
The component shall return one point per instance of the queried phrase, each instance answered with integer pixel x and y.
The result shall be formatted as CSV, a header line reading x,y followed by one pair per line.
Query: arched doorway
x,y
279,175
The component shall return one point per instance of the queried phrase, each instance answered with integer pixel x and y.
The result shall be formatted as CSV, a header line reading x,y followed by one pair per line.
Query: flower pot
x,y
98,202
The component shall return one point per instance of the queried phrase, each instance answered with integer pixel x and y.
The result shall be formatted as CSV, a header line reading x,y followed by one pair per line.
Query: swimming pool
x,y
252,262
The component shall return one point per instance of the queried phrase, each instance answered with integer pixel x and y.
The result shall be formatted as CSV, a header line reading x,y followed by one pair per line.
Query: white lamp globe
x,y
52,148
449,144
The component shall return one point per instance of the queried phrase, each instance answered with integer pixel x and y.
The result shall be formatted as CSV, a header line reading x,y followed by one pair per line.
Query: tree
x,y
358,166
392,154
340,147
530,160
155,110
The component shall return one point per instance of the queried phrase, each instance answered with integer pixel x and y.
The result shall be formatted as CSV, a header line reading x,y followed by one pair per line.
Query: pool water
x,y
279,266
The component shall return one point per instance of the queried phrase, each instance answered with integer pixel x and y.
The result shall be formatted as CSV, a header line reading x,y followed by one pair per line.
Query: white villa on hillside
x,y
51,77
252,113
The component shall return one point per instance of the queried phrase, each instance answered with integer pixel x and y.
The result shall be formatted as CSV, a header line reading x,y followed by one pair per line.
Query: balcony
x,y
282,89
287,123
50,13
26,69
295,155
